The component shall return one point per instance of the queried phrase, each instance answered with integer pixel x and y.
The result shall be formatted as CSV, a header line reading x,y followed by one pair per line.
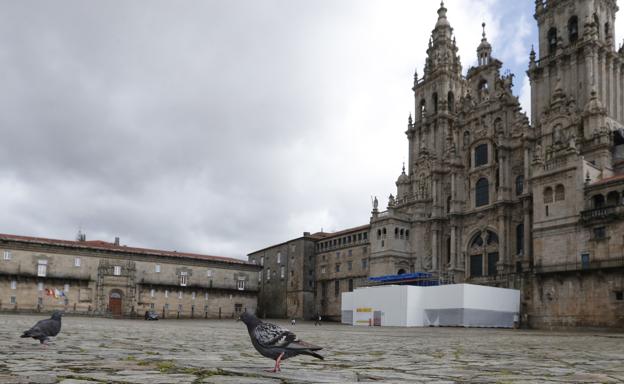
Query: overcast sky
x,y
217,127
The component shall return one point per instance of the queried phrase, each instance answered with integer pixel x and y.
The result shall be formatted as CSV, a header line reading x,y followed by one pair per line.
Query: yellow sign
x,y
364,310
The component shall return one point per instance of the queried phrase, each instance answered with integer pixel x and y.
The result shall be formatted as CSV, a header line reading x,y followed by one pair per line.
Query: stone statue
x,y
375,203
391,200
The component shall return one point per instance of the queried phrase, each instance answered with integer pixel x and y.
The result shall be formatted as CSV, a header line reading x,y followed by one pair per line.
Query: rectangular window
x,y
42,268
268,274
262,260
259,276
209,273
183,279
152,306
585,260
337,255
322,270
66,288
282,272
365,235
206,296
13,300
476,265
350,265
77,262
241,285
166,293
350,252
279,257
481,155
238,308
350,285
13,284
600,233
157,268
40,286
337,267
117,270
7,255
179,294
152,292
336,287
492,261
364,263
619,295
193,295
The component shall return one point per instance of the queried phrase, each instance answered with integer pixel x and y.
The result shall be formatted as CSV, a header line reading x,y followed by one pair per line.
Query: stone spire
x,y
484,50
442,51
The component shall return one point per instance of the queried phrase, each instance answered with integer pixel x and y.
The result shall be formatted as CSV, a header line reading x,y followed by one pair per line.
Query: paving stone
x,y
93,350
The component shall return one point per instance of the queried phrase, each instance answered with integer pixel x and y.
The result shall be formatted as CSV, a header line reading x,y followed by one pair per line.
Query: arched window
x,y
448,250
477,241
396,233
520,239
552,40
599,201
492,238
402,233
482,192
613,198
435,103
573,29
407,234
519,185
423,109
483,88
559,193
607,30
378,234
451,101
384,231
548,195
448,204
481,155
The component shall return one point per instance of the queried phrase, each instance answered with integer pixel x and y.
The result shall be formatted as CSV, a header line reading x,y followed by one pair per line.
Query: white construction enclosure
x,y
455,305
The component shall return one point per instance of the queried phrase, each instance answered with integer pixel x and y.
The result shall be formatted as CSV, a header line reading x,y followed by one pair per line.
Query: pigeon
x,y
45,329
276,342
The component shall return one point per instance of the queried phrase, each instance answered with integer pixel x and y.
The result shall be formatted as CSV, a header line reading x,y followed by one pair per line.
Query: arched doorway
x,y
114,302
401,272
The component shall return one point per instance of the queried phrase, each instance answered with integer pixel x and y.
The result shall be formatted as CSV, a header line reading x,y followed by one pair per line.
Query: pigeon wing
x,y
48,327
271,335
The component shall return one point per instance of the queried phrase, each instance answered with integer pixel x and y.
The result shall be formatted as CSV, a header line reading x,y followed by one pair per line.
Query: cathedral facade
x,y
489,197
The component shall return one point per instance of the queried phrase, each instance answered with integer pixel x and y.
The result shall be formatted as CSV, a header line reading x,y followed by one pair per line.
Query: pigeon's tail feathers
x,y
311,353
300,344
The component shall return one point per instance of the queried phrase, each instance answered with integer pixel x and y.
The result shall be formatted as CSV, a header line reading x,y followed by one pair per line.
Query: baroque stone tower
x,y
459,207
577,90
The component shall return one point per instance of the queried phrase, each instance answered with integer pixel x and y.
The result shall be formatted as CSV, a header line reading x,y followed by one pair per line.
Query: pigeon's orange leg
x,y
279,362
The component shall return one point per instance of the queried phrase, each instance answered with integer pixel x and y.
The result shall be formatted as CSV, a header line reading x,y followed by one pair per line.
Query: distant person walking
x,y
317,320
293,322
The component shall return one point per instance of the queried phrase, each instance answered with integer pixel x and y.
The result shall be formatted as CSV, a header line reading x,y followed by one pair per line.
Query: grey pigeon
x,y
276,342
44,329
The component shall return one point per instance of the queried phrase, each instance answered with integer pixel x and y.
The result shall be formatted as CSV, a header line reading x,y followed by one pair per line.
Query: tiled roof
x,y
106,246
608,180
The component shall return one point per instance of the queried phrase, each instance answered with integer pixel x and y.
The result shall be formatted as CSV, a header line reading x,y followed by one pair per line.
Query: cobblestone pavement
x,y
93,350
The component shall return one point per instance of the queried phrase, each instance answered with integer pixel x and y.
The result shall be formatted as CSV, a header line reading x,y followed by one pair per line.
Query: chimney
x,y
306,233
117,241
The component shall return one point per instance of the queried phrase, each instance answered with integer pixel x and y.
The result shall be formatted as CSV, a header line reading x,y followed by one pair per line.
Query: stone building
x,y
287,281
488,197
97,277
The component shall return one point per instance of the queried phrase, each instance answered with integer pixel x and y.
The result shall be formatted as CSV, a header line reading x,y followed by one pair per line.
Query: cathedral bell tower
x,y
430,135
578,73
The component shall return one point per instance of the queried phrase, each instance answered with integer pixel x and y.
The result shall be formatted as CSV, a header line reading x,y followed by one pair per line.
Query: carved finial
x,y
409,120
404,167
483,25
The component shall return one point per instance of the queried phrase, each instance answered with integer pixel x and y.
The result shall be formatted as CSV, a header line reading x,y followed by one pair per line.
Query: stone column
x,y
453,247
434,250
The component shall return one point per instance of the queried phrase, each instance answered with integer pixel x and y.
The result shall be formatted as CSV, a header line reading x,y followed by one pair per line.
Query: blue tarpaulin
x,y
419,278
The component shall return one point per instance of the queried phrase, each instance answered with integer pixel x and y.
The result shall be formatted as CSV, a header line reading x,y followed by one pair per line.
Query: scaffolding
x,y
420,279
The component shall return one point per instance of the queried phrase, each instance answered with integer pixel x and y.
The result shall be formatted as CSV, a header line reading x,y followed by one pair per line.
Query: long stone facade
x,y
101,278
489,197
